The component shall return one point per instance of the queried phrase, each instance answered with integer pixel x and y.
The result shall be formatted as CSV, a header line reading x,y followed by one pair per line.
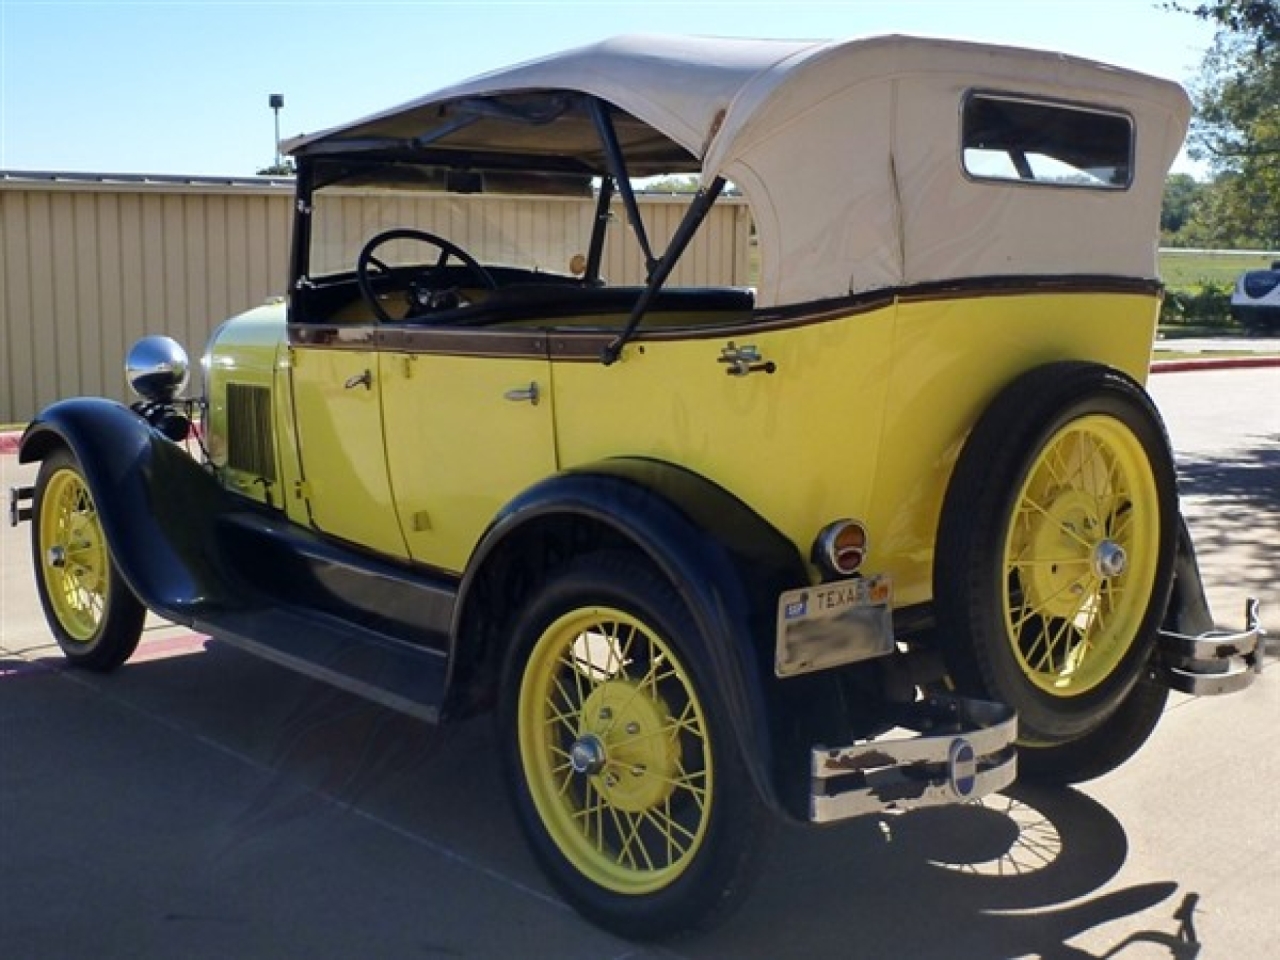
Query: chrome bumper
x,y
1216,661
964,751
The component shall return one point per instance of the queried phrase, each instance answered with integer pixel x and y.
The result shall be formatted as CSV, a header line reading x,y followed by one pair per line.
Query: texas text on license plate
x,y
833,624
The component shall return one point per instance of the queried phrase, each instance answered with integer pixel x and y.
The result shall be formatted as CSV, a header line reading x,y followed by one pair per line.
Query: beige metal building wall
x,y
86,268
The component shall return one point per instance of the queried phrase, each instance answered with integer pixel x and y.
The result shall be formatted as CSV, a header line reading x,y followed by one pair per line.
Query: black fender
x,y
158,507
728,564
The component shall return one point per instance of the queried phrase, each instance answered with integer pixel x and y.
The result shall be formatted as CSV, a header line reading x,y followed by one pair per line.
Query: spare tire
x,y
1055,551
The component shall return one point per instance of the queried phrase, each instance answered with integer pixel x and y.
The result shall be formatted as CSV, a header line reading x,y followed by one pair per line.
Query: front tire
x,y
1055,556
93,614
620,759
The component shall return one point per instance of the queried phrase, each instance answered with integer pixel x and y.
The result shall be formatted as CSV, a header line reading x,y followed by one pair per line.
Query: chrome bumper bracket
x,y
964,750
1215,662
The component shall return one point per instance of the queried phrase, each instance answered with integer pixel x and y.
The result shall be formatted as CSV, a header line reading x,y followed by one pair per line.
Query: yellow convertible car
x,y
860,535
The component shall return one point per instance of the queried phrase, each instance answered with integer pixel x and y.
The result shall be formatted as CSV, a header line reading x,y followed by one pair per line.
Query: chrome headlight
x,y
157,369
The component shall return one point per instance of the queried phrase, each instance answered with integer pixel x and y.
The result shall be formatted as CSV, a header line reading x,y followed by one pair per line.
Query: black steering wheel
x,y
447,249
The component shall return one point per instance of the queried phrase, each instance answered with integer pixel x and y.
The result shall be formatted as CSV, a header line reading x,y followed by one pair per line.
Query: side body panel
x,y
337,394
464,436
865,413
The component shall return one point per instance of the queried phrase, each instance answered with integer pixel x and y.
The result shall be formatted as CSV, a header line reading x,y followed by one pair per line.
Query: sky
x,y
182,86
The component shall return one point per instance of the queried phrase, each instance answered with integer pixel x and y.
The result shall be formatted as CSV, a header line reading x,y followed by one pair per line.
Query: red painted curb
x,y
1213,363
9,442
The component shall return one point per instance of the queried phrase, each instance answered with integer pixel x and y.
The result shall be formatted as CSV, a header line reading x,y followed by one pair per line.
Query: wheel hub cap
x,y
625,745
587,755
1109,559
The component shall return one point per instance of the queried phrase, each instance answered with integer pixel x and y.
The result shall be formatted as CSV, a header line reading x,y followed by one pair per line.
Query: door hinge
x,y
301,490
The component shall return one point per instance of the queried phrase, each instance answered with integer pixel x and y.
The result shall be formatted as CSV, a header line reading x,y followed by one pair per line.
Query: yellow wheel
x,y
1081,556
1055,558
93,615
617,761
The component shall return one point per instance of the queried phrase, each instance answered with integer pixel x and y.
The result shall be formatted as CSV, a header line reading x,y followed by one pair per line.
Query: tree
x,y
1182,194
1237,122
282,169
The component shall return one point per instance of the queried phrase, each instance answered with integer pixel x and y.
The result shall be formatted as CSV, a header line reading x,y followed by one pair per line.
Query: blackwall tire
x,y
1104,748
93,614
622,769
1056,548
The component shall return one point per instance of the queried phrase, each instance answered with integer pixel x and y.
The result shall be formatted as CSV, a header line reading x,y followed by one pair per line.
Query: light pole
x,y
276,102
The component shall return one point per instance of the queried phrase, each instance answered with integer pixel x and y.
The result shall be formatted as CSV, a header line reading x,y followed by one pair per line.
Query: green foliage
x,y
1182,193
1207,304
676,184
1237,125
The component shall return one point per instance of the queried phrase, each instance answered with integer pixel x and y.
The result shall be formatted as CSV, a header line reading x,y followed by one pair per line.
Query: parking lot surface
x,y
202,803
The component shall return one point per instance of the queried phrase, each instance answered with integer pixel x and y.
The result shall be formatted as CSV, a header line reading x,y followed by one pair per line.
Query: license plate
x,y
834,624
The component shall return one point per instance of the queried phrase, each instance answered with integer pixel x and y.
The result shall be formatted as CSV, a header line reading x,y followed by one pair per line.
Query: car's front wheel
x,y
93,614
622,765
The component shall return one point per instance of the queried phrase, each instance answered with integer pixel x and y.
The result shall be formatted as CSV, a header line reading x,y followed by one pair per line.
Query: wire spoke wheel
x,y
1080,556
74,563
91,611
615,750
621,759
1055,564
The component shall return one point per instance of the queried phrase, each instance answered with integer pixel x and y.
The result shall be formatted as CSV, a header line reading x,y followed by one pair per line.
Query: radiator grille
x,y
249,444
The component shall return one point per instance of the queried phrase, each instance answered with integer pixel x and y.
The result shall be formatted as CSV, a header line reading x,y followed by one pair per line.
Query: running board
x,y
389,672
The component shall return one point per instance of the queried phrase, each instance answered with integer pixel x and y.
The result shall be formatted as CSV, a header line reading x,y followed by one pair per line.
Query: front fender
x,y
727,562
157,506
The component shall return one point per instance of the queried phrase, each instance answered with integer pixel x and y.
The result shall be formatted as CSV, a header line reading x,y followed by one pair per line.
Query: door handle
x,y
361,379
527,394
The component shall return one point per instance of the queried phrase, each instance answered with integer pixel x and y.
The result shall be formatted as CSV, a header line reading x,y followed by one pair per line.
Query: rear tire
x,y
620,758
1055,558
1103,749
93,614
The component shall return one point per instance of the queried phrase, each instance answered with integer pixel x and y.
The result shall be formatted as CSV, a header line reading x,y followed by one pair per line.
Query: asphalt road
x,y
201,803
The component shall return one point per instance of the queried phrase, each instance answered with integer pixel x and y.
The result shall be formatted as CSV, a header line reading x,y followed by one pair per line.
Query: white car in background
x,y
1255,302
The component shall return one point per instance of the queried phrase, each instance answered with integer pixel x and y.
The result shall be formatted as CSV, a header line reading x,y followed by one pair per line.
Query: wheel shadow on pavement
x,y
1019,874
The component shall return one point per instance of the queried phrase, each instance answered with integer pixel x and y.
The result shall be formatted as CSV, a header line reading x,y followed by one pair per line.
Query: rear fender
x,y
728,564
158,507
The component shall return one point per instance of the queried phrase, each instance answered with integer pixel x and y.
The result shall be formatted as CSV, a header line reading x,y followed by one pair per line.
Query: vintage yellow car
x,y
860,537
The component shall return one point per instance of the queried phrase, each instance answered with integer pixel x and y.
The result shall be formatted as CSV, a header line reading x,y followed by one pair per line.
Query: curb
x,y
9,441
1213,363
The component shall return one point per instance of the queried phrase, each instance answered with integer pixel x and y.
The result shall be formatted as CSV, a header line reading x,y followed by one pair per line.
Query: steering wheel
x,y
447,249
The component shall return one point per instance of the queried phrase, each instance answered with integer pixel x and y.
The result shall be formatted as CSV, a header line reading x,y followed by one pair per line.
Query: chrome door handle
x,y
361,379
527,394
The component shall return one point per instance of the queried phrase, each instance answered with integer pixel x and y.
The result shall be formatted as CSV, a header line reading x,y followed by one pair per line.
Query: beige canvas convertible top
x,y
848,151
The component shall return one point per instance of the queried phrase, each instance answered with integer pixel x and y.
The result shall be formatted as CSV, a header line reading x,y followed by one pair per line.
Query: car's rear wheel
x,y
622,766
1055,558
94,616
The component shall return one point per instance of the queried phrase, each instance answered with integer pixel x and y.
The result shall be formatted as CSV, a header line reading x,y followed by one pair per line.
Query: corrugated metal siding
x,y
88,268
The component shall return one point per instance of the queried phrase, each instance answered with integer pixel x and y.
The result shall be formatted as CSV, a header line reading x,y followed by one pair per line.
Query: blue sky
x,y
170,86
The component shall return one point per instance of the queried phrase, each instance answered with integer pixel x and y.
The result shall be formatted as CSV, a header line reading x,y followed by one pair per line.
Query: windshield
x,y
539,234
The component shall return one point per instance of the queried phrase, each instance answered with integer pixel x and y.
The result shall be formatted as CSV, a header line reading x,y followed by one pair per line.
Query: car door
x,y
468,420
337,396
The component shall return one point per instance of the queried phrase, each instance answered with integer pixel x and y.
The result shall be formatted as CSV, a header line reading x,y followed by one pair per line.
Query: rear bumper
x,y
964,750
1215,661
